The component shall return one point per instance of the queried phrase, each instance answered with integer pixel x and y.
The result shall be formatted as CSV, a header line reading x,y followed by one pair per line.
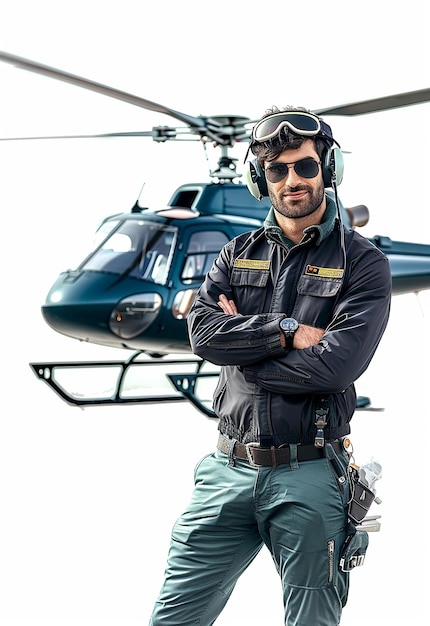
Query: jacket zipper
x,y
330,550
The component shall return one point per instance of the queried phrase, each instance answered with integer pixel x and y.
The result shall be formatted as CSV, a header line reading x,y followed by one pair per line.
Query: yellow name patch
x,y
325,272
252,264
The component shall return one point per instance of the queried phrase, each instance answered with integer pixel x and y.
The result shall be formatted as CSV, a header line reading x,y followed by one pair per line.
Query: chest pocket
x,y
315,299
319,286
248,277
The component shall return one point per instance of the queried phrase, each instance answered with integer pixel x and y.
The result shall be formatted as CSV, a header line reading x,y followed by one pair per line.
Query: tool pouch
x,y
361,498
354,549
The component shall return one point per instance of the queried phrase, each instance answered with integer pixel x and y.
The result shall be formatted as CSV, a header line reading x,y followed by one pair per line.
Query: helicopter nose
x,y
134,314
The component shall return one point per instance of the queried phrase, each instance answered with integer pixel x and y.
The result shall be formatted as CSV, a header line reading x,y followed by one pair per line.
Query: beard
x,y
303,207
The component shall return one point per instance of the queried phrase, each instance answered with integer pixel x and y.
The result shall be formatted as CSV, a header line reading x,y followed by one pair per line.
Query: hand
x,y
228,306
307,336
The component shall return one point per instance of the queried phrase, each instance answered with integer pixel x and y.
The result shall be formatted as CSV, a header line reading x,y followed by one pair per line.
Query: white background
x,y
87,498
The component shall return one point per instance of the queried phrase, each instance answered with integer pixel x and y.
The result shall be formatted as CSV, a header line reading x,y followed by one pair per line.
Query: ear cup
x,y
255,179
332,167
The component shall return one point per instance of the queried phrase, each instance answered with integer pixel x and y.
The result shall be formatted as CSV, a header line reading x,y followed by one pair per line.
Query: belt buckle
x,y
248,447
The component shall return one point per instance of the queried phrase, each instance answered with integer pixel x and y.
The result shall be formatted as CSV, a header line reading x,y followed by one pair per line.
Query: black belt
x,y
271,457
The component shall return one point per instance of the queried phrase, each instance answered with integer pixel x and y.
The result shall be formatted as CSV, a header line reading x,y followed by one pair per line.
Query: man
x,y
293,313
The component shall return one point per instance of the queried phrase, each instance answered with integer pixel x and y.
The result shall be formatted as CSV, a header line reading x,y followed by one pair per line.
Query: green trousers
x,y
299,511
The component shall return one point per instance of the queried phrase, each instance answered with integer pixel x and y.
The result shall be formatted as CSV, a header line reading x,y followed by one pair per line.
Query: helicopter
x,y
135,287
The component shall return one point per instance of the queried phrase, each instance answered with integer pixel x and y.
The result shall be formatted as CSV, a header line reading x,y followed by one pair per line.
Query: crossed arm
x,y
304,337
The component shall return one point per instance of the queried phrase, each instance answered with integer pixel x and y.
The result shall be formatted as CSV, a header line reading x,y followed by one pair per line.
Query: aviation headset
x,y
331,166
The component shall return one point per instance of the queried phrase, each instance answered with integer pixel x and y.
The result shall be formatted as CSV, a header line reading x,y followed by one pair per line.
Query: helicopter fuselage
x,y
135,288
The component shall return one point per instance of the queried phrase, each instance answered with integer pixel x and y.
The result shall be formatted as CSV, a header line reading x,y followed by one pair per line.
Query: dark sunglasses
x,y
300,123
306,168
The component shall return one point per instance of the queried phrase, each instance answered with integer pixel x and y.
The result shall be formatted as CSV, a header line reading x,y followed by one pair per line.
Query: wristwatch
x,y
288,327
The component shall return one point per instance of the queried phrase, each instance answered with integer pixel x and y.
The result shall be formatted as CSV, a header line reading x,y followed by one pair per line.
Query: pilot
x,y
293,313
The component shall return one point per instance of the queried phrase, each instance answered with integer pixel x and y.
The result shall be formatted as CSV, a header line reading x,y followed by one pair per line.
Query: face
x,y
294,196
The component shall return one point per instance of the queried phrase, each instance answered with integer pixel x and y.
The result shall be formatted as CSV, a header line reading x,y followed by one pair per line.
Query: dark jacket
x,y
268,394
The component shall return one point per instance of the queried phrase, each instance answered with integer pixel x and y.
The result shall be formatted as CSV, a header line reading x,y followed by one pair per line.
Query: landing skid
x,y
138,380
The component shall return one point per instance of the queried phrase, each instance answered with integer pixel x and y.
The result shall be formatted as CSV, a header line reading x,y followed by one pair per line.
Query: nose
x,y
292,178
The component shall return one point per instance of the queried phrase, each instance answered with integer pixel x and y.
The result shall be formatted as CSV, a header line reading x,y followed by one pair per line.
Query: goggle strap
x,y
247,152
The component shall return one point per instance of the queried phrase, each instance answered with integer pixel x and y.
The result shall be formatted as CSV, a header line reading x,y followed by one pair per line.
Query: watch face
x,y
289,325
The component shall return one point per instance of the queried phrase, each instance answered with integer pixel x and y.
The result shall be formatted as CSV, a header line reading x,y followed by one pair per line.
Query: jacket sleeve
x,y
230,339
350,340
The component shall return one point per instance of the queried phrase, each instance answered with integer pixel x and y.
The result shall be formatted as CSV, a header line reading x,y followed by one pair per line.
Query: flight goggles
x,y
299,122
306,168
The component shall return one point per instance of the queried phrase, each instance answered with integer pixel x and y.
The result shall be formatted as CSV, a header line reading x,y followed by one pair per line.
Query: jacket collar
x,y
318,232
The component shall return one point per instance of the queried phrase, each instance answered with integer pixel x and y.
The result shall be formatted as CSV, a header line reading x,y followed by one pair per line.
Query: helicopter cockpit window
x,y
136,247
103,231
203,248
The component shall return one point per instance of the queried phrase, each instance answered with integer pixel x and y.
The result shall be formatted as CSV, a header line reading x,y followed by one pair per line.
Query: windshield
x,y
142,249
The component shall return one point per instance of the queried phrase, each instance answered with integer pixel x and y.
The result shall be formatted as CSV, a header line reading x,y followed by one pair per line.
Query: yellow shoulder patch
x,y
325,272
252,264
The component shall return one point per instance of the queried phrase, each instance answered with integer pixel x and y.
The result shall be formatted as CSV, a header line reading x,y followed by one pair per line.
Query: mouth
x,y
296,195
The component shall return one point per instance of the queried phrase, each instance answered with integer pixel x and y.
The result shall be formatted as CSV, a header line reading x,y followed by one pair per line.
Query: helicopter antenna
x,y
137,207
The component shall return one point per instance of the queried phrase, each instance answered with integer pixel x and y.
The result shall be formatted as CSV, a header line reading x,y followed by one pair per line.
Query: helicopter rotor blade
x,y
220,129
158,133
375,105
51,72
148,133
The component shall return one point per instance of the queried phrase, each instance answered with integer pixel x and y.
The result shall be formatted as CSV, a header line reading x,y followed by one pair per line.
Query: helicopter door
x,y
203,248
